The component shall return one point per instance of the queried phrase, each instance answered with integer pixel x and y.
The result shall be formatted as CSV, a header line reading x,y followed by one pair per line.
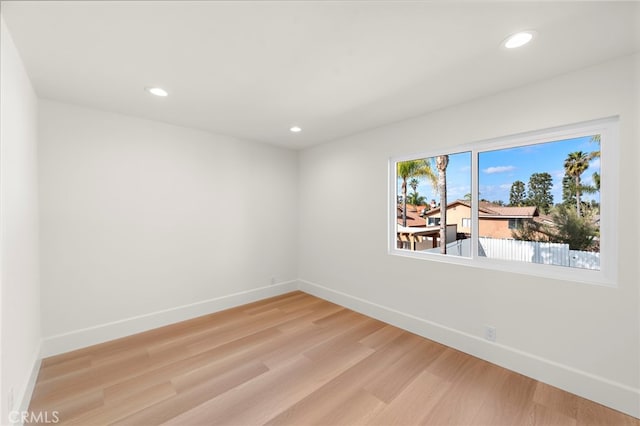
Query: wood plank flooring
x,y
295,360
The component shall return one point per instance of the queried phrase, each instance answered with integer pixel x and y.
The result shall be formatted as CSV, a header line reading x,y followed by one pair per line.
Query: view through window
x,y
541,203
424,185
535,203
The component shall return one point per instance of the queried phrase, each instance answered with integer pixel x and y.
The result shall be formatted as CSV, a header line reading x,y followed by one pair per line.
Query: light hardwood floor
x,y
296,359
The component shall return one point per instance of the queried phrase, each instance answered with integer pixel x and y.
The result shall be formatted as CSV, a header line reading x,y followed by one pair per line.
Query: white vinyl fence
x,y
537,252
584,259
525,251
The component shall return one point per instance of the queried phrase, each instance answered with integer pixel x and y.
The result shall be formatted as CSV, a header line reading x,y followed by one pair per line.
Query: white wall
x,y
142,220
20,288
582,337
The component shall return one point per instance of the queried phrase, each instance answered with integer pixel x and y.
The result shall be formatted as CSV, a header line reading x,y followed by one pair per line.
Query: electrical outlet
x,y
10,399
490,333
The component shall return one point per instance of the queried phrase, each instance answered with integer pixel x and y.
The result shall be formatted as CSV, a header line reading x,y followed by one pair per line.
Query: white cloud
x,y
498,169
458,191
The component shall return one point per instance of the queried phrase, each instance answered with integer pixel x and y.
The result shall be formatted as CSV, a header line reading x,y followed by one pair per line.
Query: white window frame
x,y
608,128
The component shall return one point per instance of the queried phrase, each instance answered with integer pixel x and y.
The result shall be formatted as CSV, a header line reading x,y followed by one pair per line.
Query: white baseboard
x,y
77,339
24,398
599,389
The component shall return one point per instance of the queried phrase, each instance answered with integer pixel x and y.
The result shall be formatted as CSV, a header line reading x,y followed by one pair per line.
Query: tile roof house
x,y
414,215
495,221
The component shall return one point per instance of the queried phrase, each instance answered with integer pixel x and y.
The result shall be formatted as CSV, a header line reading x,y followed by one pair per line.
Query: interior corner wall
x,y
583,338
145,223
19,280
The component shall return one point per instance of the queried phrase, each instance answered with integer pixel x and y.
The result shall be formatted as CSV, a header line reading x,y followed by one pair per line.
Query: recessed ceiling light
x,y
295,129
518,39
158,91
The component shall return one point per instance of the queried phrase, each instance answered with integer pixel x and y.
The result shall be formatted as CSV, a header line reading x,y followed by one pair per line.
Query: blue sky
x,y
499,169
458,179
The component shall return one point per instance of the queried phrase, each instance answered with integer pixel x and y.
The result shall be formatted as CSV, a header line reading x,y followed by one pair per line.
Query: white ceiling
x,y
252,69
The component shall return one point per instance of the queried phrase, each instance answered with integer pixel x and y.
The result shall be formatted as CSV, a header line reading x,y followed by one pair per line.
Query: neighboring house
x,y
458,213
414,215
545,220
494,221
499,221
417,235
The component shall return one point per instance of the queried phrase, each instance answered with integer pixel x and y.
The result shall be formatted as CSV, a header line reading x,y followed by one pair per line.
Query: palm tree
x,y
442,161
575,164
413,183
592,155
412,169
416,199
596,180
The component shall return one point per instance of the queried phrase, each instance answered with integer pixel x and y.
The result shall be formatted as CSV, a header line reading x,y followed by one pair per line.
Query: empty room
x,y
320,213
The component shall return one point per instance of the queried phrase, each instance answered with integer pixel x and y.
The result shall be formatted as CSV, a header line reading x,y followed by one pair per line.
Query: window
x,y
555,186
539,203
428,190
515,223
433,221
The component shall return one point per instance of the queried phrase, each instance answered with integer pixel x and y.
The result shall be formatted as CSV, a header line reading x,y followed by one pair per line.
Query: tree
x,y
518,194
568,228
413,183
575,164
568,191
540,185
531,231
412,169
415,198
442,161
595,154
571,228
596,180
